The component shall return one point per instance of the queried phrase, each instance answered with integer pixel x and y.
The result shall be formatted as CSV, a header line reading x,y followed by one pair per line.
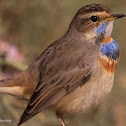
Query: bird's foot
x,y
61,120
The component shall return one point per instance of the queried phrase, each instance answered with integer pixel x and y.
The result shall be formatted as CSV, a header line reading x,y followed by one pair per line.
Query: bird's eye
x,y
94,18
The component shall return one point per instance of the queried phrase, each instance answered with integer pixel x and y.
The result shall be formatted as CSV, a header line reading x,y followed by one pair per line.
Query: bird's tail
x,y
6,82
15,86
9,86
21,85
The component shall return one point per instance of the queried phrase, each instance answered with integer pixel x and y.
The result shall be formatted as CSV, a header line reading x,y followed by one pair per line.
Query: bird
x,y
75,72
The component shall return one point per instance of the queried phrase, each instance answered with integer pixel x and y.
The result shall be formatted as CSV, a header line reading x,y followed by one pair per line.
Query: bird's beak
x,y
114,16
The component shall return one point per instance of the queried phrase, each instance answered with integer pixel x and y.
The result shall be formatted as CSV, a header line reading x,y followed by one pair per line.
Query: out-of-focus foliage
x,y
30,26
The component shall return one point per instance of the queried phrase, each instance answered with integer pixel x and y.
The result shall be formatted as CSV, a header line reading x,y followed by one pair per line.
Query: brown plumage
x,y
68,74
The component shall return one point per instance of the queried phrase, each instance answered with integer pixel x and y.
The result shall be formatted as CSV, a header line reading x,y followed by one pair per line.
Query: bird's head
x,y
96,20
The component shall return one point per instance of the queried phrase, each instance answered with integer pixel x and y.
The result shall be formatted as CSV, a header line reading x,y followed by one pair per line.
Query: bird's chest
x,y
90,94
109,53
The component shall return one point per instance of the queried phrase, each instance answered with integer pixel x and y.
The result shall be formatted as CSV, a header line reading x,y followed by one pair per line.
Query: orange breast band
x,y
107,64
107,40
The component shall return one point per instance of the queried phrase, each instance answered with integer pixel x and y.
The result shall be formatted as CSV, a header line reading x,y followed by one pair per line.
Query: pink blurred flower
x,y
7,75
3,46
11,52
14,54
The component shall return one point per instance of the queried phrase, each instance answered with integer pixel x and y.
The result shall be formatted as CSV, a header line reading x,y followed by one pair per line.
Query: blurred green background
x,y
31,25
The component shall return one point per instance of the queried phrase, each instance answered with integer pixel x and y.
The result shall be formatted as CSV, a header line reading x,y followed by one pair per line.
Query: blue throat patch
x,y
111,50
101,28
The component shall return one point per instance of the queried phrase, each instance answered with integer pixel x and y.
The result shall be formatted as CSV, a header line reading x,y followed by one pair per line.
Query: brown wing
x,y
62,70
50,92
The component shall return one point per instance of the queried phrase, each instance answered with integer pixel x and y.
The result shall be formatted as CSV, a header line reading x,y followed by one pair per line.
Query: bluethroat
x,y
75,72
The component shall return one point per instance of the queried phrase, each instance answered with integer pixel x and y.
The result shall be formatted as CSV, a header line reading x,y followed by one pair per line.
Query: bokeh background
x,y
27,27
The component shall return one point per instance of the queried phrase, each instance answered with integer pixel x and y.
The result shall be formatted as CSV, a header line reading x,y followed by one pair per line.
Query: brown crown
x,y
94,8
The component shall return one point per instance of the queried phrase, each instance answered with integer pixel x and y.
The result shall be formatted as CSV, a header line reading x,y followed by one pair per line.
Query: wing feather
x,y
61,71
43,99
